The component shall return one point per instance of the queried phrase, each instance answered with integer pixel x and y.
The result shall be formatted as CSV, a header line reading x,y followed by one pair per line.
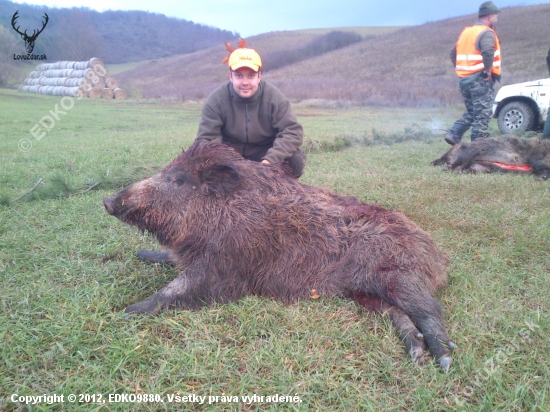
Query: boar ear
x,y
218,179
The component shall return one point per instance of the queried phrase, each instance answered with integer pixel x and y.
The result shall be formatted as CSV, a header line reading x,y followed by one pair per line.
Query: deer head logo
x,y
29,40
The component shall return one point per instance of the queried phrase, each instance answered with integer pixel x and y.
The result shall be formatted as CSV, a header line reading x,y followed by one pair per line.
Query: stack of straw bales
x,y
65,78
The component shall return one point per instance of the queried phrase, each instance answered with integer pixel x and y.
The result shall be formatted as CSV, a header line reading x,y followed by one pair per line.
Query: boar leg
x,y
194,287
441,161
409,334
153,257
175,292
540,162
427,314
544,174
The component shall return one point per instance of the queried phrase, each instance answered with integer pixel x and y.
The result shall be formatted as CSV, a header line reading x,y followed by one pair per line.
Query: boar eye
x,y
177,178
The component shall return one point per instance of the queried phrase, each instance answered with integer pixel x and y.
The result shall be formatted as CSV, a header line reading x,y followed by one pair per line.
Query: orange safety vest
x,y
468,58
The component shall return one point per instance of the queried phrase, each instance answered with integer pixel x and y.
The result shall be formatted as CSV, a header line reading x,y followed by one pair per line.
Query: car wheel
x,y
516,116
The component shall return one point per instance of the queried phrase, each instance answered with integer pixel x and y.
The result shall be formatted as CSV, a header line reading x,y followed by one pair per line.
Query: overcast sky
x,y
251,17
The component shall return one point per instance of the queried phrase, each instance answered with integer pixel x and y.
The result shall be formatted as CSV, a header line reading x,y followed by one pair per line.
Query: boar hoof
x,y
416,346
150,305
417,355
445,363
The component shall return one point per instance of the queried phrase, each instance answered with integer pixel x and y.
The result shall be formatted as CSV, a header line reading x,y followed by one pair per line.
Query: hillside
x,y
116,36
405,67
194,75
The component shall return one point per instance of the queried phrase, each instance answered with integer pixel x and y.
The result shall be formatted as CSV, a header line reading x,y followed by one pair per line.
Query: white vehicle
x,y
522,106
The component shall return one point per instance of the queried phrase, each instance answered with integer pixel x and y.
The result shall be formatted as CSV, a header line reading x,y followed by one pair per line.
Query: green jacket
x,y
271,122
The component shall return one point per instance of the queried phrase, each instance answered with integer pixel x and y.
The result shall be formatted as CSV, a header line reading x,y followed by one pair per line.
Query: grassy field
x,y
68,270
114,69
193,75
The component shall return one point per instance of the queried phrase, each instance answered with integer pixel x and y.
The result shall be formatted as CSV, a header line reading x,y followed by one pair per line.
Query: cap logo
x,y
242,56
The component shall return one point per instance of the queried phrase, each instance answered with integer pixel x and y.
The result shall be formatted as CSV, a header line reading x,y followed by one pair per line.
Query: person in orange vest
x,y
476,57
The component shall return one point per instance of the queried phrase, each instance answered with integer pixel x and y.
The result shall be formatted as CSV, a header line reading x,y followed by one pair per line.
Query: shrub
x,y
323,44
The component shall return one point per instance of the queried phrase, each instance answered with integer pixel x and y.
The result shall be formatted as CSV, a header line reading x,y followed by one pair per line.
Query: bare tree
x,y
76,37
9,73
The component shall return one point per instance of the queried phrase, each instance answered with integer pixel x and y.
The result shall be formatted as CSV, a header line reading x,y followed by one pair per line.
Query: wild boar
x,y
513,155
234,227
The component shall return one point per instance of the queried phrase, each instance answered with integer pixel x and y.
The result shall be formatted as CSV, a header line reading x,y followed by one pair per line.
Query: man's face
x,y
493,20
245,81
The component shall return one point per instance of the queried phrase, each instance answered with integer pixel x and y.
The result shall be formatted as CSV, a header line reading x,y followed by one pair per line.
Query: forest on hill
x,y
115,36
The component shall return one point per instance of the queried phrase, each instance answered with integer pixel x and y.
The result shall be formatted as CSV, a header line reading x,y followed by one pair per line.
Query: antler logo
x,y
29,40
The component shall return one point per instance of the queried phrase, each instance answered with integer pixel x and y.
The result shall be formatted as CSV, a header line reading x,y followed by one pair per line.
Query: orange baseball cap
x,y
245,58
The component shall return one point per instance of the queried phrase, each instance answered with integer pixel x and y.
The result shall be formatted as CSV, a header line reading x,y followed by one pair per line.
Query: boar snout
x,y
109,204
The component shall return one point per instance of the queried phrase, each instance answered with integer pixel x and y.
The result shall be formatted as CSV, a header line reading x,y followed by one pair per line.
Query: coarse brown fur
x,y
496,154
234,227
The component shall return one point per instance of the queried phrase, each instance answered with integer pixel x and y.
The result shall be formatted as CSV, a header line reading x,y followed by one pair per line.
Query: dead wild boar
x,y
514,155
234,227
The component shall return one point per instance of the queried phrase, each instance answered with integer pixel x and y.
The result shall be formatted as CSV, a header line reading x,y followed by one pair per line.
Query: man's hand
x,y
267,162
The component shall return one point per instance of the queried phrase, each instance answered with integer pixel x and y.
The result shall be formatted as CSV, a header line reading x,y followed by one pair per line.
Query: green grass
x,y
68,270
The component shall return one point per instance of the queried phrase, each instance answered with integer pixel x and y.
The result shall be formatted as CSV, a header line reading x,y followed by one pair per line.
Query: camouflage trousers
x,y
478,98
